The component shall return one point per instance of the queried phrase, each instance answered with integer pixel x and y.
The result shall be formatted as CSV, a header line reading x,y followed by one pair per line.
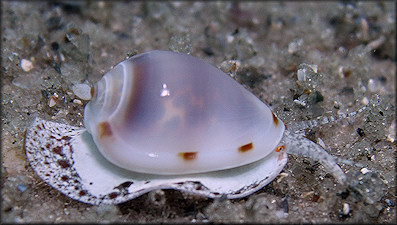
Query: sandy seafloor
x,y
49,47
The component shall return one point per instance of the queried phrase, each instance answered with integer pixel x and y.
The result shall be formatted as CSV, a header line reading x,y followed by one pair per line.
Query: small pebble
x,y
372,86
230,66
294,46
281,176
52,101
229,38
299,102
22,187
340,71
301,74
365,170
26,65
346,209
392,134
314,67
62,57
76,101
83,91
365,101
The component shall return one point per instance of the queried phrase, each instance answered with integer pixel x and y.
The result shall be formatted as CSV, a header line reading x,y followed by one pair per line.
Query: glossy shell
x,y
162,112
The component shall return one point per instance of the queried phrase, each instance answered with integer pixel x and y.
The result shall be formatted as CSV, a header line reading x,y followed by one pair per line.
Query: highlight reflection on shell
x,y
162,112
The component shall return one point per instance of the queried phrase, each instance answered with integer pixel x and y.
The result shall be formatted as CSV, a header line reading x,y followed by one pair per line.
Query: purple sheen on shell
x,y
162,112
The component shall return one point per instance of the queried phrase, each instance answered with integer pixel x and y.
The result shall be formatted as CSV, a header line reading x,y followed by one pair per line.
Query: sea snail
x,y
166,120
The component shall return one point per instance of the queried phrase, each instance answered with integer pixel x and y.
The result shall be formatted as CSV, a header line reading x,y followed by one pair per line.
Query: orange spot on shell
x,y
104,129
246,147
280,148
92,92
275,120
187,155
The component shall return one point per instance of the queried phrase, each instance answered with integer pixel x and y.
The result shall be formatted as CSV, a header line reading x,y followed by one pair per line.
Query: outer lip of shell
x,y
86,176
